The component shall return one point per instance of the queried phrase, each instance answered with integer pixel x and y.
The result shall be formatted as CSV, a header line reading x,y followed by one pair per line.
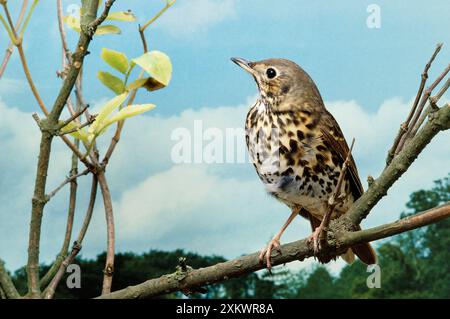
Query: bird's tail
x,y
349,256
365,253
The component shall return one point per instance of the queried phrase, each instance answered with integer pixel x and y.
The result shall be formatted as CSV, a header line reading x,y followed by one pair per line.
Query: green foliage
x,y
116,59
158,66
123,16
111,82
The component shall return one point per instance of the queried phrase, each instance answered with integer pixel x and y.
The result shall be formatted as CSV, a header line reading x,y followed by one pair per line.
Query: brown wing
x,y
333,135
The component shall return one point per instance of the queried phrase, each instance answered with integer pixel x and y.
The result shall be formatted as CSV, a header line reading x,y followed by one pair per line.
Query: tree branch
x,y
38,203
107,201
10,48
57,273
439,121
70,217
191,280
120,124
6,284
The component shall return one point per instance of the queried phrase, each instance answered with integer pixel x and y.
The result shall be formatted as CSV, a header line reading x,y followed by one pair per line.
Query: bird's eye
x,y
271,73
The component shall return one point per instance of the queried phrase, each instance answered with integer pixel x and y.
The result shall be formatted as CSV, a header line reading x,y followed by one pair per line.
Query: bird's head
x,y
282,84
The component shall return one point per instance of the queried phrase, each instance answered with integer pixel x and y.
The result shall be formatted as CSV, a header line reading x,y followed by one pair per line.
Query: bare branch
x,y
188,281
68,180
103,15
6,284
38,203
404,126
73,117
408,135
167,6
57,273
120,125
62,32
10,48
89,122
107,201
70,218
332,202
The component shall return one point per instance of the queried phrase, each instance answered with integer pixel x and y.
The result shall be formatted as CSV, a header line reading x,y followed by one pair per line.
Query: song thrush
x,y
298,149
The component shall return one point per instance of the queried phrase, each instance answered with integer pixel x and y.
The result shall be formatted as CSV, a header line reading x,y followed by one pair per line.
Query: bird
x,y
298,151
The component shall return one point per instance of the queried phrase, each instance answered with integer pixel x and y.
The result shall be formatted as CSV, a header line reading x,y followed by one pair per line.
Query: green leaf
x,y
157,65
130,111
116,59
73,23
107,29
105,111
125,113
111,81
80,134
121,16
149,83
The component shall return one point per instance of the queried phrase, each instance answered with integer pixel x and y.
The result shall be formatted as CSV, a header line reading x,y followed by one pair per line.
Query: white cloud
x,y
11,86
189,17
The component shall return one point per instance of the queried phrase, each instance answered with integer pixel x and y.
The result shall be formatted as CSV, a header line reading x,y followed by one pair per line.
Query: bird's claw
x,y
315,238
266,252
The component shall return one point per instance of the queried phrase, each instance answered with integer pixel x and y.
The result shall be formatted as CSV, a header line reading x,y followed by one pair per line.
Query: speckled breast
x,y
291,158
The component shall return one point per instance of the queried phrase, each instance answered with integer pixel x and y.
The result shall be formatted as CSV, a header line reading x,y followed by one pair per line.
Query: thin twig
x,y
334,199
38,203
6,283
24,61
107,201
428,110
440,121
91,120
103,15
120,124
73,117
405,125
426,95
33,88
70,218
10,48
62,32
77,245
68,180
167,6
115,139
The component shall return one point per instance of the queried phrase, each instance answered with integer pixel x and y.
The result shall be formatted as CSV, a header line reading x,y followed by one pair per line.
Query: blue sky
x,y
367,76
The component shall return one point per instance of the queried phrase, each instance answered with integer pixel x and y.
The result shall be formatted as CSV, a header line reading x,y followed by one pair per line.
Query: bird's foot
x,y
266,252
315,238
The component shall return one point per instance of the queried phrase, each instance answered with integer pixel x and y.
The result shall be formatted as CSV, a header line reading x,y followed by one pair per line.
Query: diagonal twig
x,y
10,48
77,245
335,198
405,125
425,97
65,182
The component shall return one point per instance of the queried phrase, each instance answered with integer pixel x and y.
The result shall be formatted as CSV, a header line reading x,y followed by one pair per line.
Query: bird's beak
x,y
245,64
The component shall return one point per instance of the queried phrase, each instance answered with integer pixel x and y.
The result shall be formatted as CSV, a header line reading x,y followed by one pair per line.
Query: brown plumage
x,y
298,148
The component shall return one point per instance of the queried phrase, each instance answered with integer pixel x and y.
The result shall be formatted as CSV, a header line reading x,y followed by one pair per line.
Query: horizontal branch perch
x,y
188,281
